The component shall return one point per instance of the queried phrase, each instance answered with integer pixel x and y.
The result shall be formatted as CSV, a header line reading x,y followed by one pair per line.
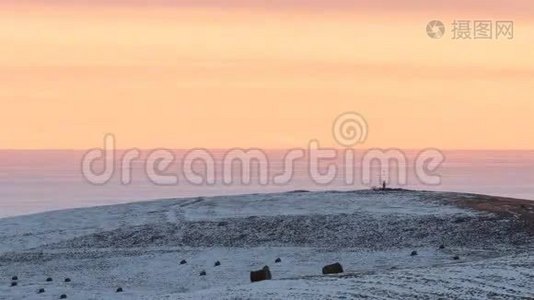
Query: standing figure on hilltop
x,y
384,185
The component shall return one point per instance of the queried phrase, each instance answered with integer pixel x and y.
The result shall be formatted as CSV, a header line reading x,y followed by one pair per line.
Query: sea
x,y
33,181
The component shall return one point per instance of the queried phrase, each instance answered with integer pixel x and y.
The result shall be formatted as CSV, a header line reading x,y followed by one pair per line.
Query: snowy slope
x,y
139,246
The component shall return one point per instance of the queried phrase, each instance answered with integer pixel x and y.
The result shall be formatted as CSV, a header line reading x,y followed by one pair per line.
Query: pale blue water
x,y
36,181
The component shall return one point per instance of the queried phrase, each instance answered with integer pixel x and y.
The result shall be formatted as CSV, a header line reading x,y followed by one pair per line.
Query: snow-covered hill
x,y
139,247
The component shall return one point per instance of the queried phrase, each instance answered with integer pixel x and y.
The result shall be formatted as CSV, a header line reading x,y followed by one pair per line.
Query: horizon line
x,y
268,149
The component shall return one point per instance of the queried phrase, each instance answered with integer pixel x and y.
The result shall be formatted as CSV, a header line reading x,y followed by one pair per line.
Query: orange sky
x,y
246,74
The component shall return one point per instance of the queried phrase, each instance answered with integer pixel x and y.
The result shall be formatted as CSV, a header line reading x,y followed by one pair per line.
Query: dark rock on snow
x,y
263,274
333,269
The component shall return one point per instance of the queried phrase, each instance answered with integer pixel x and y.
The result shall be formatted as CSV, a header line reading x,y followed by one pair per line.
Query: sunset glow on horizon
x,y
202,74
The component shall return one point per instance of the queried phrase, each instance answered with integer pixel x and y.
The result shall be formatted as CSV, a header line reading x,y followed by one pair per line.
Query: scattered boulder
x,y
119,290
63,296
217,263
441,246
67,279
456,257
183,262
14,283
461,220
414,253
14,278
263,274
40,291
278,260
49,279
202,273
333,269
